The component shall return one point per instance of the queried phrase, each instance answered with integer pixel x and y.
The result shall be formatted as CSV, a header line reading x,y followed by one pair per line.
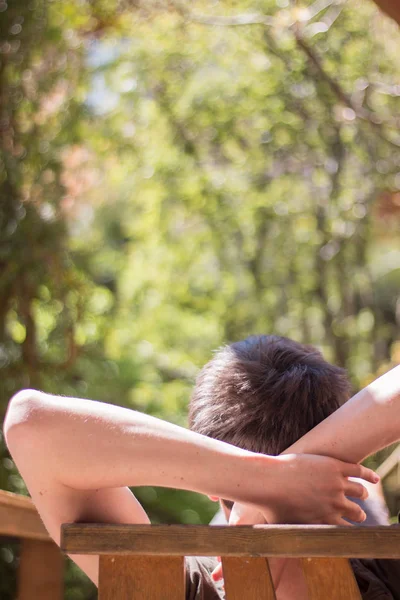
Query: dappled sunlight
x,y
177,176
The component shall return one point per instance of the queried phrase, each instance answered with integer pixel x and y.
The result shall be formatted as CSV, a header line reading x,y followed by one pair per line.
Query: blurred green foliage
x,y
173,180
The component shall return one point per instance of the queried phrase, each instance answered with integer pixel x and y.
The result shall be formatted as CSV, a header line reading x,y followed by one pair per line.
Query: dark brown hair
x,y
264,393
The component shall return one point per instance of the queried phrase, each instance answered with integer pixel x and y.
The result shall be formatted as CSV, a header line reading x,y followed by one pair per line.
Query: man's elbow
x,y
24,412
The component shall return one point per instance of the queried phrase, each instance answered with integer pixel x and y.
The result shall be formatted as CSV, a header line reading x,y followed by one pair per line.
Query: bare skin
x,y
367,423
77,457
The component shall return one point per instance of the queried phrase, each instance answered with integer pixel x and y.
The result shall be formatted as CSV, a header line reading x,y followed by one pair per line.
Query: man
x,y
271,392
76,456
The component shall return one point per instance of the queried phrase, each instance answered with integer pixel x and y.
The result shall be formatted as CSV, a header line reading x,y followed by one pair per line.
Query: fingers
x,y
360,471
356,490
368,474
353,512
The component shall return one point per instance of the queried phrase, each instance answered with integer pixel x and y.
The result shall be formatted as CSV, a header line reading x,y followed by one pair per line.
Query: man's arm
x,y
367,423
77,455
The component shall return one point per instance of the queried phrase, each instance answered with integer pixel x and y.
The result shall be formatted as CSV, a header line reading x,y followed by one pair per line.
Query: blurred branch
x,y
324,24
187,142
332,15
314,59
319,6
259,18
29,345
256,263
222,21
238,20
359,111
314,10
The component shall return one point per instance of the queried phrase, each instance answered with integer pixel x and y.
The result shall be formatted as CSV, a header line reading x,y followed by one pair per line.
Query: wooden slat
x,y
40,573
19,518
247,578
260,540
141,578
330,578
11,499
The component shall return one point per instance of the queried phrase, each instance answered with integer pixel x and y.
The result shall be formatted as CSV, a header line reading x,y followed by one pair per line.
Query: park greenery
x,y
176,176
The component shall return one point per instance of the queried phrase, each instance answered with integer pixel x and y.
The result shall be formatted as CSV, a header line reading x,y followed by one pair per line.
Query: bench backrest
x,y
146,562
41,565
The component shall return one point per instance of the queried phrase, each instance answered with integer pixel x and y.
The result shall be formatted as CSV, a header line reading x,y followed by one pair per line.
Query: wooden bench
x,y
145,562
41,566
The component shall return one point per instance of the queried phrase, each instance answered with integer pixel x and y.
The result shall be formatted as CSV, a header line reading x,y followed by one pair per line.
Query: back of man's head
x,y
264,393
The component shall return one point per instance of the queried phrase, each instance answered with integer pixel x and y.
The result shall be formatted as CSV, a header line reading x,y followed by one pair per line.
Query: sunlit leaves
x,y
171,183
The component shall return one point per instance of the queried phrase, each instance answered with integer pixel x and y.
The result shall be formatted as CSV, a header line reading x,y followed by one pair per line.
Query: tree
x,y
174,180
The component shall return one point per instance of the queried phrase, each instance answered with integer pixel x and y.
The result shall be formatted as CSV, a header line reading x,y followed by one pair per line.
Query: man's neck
x,y
288,578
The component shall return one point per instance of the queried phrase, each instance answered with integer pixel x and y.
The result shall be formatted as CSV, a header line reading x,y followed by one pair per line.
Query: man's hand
x,y
313,489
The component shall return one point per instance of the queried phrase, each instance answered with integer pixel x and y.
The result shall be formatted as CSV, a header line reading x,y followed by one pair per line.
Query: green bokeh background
x,y
174,177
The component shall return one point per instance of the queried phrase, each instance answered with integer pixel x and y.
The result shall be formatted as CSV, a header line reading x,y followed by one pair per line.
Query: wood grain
x,y
141,578
19,518
262,540
247,578
331,578
40,574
